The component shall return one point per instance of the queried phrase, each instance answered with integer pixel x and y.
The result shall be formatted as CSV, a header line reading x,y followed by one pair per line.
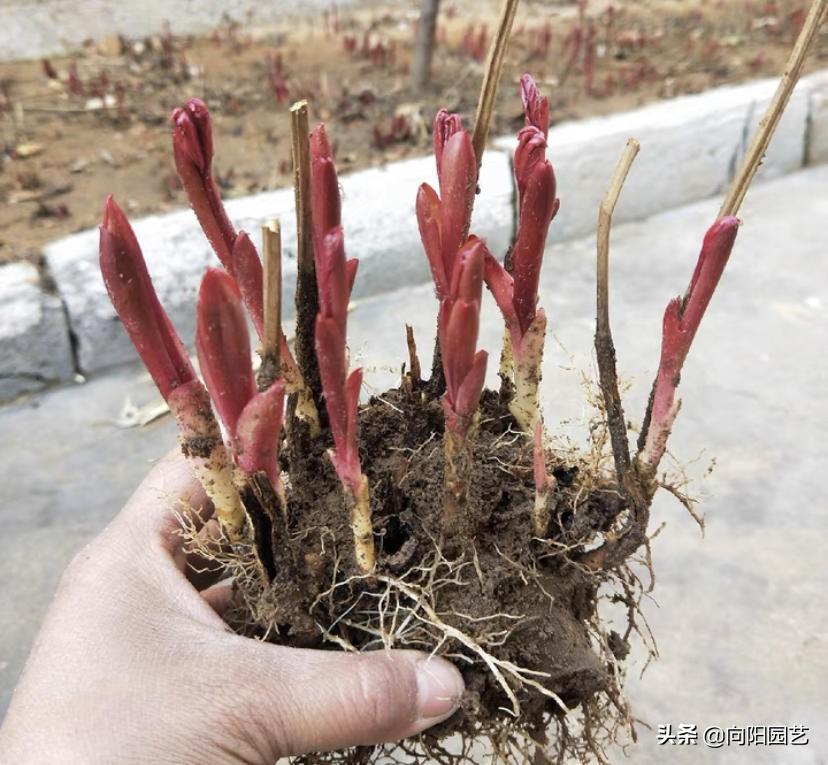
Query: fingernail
x,y
439,688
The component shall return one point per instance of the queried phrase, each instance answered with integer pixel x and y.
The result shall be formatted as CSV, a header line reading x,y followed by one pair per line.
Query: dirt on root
x,y
75,128
516,614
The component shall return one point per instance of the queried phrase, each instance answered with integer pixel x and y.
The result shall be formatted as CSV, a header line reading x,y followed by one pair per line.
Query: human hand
x,y
134,664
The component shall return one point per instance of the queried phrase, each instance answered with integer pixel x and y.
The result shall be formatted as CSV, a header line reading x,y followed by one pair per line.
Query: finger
x,y
305,700
219,596
169,492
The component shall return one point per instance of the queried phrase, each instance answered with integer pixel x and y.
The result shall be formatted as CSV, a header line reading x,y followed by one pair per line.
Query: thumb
x,y
303,700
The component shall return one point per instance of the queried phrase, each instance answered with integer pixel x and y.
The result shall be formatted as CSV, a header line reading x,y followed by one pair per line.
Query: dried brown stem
x,y
437,381
494,67
272,301
307,304
424,44
604,347
620,545
415,373
758,146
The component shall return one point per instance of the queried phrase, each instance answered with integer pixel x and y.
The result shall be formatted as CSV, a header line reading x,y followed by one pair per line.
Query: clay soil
x,y
78,127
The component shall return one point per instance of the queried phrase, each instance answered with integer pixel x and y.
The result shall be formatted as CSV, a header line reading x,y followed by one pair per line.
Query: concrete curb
x,y
690,148
380,228
34,342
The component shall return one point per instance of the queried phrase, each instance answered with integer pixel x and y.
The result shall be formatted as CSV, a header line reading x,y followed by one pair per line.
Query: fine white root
x,y
425,614
395,612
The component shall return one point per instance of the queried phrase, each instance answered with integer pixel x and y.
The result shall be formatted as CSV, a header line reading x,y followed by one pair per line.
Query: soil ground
x,y
75,128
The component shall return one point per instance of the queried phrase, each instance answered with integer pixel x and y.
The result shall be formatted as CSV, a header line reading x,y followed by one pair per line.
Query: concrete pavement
x,y
739,616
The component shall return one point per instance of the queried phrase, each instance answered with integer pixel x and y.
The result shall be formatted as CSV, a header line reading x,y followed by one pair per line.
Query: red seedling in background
x,y
48,69
473,43
274,65
540,40
73,81
399,131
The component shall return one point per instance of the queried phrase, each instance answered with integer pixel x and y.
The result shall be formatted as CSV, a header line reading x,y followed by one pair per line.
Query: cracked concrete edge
x,y
691,147
35,346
